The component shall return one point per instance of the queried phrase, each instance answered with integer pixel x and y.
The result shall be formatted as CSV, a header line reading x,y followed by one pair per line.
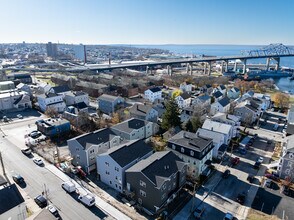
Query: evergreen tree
x,y
171,115
189,126
196,123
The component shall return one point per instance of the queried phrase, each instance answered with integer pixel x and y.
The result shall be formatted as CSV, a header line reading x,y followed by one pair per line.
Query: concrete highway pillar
x,y
187,68
278,63
209,68
227,65
204,69
169,70
191,68
147,70
244,65
268,60
235,65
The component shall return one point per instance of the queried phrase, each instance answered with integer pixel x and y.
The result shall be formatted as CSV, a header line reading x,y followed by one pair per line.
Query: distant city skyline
x,y
152,22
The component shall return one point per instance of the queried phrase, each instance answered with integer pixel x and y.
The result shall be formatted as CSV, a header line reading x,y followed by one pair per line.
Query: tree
x,y
189,126
196,123
51,112
176,93
171,115
115,118
281,100
247,120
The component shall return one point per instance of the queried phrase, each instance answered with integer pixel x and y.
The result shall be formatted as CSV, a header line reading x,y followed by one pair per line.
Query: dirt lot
x,y
256,215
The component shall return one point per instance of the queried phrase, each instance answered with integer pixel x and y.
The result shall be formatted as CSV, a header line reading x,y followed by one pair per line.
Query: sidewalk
x,y
109,209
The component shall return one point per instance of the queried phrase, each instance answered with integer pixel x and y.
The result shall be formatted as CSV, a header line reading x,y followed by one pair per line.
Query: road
x,y
35,176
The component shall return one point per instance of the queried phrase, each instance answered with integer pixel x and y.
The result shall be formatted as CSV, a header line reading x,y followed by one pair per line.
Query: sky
x,y
239,22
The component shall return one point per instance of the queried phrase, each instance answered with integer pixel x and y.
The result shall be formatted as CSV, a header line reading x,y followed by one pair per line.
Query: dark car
x,y
241,198
18,179
198,212
250,178
272,176
235,160
257,165
226,174
41,201
26,151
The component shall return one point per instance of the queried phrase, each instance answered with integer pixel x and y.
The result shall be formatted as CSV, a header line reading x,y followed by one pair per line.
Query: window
x,y
107,164
92,151
142,183
116,169
115,185
106,172
78,156
142,193
174,147
110,182
182,150
133,134
77,149
192,153
119,187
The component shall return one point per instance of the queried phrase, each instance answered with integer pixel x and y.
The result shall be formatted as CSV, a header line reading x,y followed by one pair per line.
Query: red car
x,y
272,176
235,160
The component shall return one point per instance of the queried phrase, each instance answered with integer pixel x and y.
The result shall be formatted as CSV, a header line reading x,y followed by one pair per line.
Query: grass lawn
x,y
257,215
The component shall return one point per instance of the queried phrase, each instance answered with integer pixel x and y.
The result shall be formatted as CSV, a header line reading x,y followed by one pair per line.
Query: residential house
x,y
183,100
14,99
217,95
76,114
203,101
228,119
86,147
222,105
24,87
218,139
144,112
194,150
222,89
285,165
111,165
135,129
290,121
53,127
43,88
207,89
156,181
93,89
51,100
247,113
77,97
109,104
60,90
7,86
225,129
153,94
20,77
234,93
12,204
186,87
265,99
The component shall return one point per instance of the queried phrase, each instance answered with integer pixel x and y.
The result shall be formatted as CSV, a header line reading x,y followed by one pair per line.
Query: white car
x,y
38,161
53,210
19,116
260,159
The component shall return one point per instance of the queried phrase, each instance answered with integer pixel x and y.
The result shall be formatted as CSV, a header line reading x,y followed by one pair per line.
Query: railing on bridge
x,y
271,50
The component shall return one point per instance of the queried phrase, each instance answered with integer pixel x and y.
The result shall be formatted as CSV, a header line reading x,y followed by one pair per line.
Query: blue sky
x,y
148,21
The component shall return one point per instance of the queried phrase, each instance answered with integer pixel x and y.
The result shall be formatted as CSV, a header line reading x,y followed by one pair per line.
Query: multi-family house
x,y
153,94
108,103
144,112
60,90
195,150
135,129
228,119
183,100
218,139
112,164
53,126
76,97
248,113
52,101
217,95
202,101
265,99
24,87
223,105
86,147
225,129
222,89
207,89
186,87
156,181
285,166
233,93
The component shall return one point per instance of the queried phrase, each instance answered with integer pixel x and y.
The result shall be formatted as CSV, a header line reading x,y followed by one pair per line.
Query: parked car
x,y
41,201
255,136
259,159
18,178
226,174
268,183
38,161
276,127
256,165
242,151
198,212
287,191
241,198
68,186
27,151
250,178
35,134
53,210
19,116
228,216
5,119
87,199
235,160
272,176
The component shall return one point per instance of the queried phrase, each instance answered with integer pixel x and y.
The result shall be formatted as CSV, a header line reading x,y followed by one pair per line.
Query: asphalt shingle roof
x,y
155,89
61,89
139,109
185,95
224,101
217,94
130,125
109,98
10,198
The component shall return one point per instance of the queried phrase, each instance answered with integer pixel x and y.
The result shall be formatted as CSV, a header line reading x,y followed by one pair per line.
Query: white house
x,y
233,120
51,100
217,138
202,100
44,88
218,95
183,100
112,164
225,129
186,87
233,93
14,100
153,94
72,98
222,105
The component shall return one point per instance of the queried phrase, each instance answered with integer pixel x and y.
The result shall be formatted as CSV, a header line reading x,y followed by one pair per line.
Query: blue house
x,y
53,126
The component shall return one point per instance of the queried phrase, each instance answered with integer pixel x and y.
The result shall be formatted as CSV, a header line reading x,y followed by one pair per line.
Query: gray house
x,y
135,129
86,147
248,113
108,103
156,181
144,112
286,163
112,164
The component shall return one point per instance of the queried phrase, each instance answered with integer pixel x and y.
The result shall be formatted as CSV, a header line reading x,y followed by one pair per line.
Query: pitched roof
x,y
235,89
61,89
217,94
159,167
185,95
129,152
155,89
80,105
130,125
204,98
224,101
140,109
109,98
190,140
10,198
222,87
216,126
95,138
22,99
